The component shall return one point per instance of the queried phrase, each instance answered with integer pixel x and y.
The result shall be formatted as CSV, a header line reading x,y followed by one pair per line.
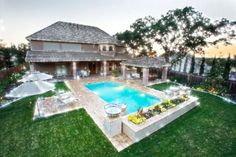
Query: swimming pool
x,y
116,93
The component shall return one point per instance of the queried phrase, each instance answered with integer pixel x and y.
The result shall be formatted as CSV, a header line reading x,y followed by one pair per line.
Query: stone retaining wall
x,y
138,132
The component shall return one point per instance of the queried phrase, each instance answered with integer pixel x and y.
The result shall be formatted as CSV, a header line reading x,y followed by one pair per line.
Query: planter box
x,y
139,131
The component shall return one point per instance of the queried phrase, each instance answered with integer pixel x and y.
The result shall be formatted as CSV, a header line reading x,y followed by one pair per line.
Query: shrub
x,y
141,116
136,119
7,81
167,104
115,72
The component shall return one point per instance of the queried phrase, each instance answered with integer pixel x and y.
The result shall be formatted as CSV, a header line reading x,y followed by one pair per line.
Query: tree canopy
x,y
137,37
178,32
13,55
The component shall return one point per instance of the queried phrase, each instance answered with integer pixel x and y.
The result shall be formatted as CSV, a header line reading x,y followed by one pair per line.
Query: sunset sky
x,y
20,18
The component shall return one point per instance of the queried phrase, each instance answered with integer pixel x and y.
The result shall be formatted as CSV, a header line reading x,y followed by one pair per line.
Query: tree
x,y
183,31
213,71
179,32
185,63
7,58
192,65
13,55
136,39
227,69
214,81
21,52
180,65
202,66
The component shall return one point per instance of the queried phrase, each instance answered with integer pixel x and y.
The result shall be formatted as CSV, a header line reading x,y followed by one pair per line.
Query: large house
x,y
63,49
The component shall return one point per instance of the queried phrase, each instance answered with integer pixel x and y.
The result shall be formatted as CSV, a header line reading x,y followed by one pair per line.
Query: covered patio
x,y
146,69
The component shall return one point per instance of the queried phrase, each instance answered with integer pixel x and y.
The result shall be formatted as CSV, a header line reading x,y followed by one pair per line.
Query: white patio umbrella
x,y
35,76
30,88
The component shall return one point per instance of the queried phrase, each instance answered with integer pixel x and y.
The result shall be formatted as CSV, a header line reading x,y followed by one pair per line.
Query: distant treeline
x,y
11,56
203,66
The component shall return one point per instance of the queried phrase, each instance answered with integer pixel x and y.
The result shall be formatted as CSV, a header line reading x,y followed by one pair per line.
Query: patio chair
x,y
135,75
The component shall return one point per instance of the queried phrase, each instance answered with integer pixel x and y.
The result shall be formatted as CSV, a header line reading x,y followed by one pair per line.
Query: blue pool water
x,y
116,93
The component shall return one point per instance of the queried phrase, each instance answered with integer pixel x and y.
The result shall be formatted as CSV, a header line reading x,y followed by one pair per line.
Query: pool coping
x,y
94,105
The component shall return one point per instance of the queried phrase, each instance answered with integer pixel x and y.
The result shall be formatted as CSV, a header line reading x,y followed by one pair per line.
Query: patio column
x,y
164,73
74,68
113,66
31,66
123,69
145,76
105,68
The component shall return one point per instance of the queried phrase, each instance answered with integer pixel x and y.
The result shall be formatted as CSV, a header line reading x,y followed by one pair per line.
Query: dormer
x,y
106,48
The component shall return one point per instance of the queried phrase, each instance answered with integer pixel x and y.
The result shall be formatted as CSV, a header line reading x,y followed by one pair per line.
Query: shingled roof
x,y
36,56
146,62
74,33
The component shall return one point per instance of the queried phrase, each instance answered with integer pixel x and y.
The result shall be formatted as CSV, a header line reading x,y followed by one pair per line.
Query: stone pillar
x,y
123,70
31,66
74,68
145,76
164,73
105,68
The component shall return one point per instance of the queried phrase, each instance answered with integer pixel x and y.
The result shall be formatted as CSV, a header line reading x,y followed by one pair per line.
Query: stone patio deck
x,y
47,107
95,105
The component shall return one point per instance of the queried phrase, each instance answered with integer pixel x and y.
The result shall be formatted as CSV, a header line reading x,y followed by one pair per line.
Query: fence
x,y
5,73
195,79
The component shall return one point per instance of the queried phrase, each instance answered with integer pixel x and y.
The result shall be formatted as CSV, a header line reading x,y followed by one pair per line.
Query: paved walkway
x,y
95,105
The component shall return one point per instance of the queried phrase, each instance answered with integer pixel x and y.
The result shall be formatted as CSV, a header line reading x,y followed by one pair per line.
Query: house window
x,y
110,48
104,48
51,46
61,70
70,47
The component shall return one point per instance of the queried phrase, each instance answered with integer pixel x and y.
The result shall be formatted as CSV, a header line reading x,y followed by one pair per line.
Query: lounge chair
x,y
66,98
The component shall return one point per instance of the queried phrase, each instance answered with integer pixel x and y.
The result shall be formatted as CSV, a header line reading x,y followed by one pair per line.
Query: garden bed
x,y
139,131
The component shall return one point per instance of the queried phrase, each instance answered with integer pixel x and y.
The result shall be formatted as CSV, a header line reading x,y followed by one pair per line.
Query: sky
x,y
20,18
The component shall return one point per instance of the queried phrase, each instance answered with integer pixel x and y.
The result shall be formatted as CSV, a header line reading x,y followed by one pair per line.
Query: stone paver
x,y
49,107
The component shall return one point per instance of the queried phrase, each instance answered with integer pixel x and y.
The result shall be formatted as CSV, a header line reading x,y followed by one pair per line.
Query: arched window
x,y
110,48
104,48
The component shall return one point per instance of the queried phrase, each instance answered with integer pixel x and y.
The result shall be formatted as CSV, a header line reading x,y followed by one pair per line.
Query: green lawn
x,y
61,86
208,130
